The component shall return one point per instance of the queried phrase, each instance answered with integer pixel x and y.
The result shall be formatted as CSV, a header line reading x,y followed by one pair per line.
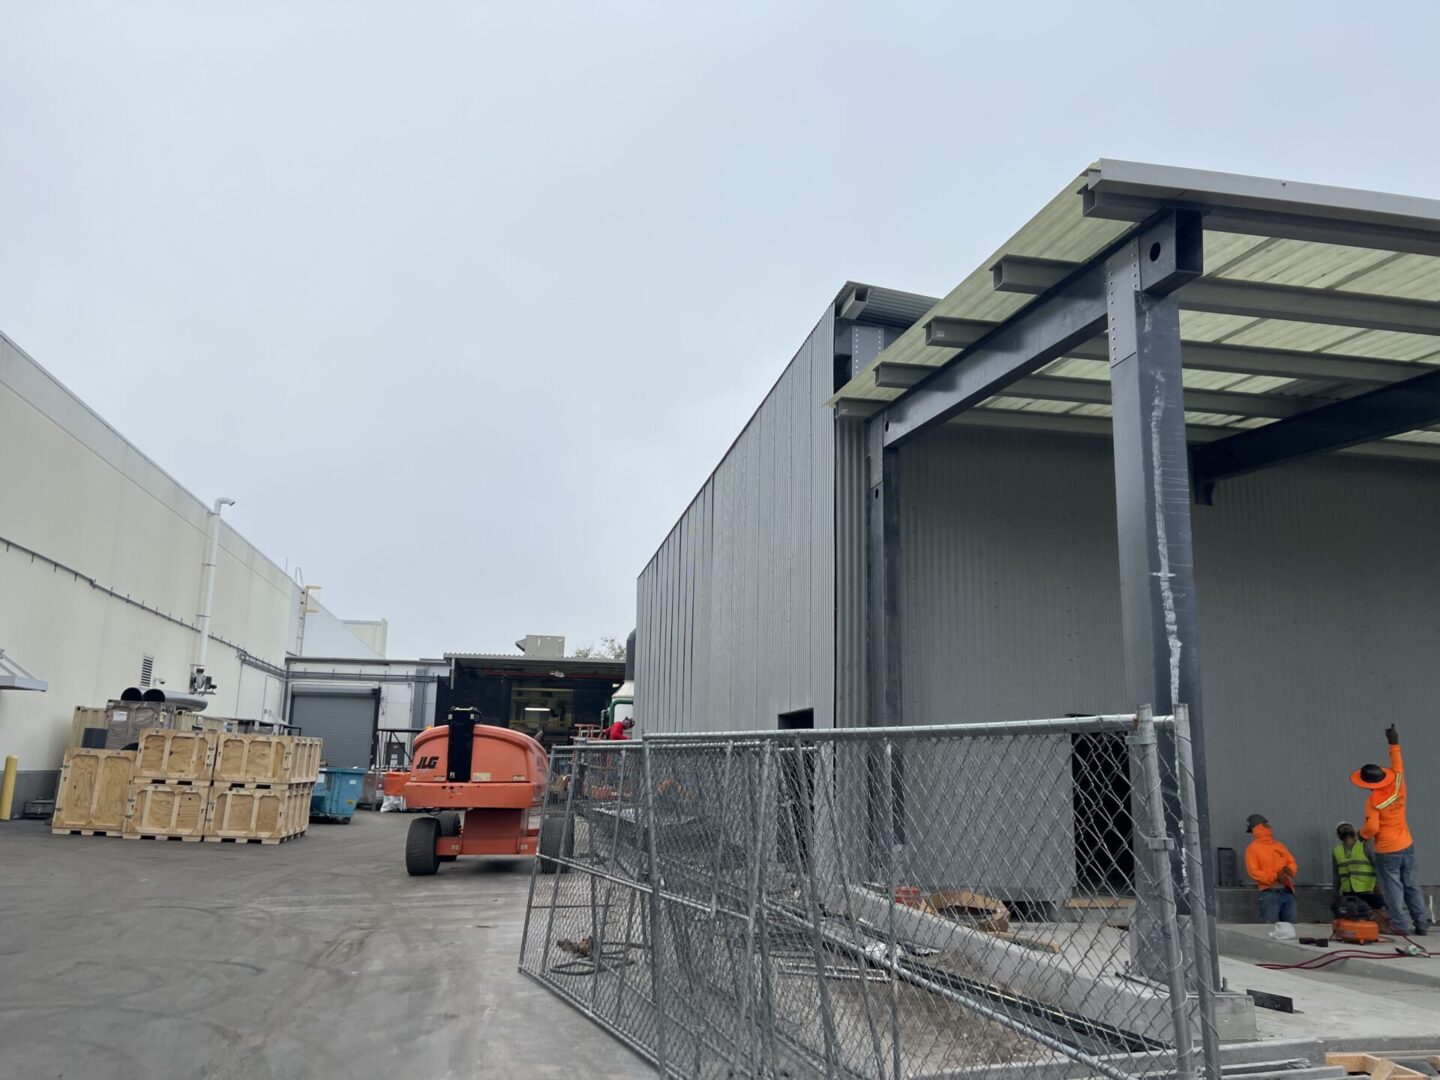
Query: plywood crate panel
x,y
305,760
169,810
252,759
180,756
94,791
85,717
297,808
266,814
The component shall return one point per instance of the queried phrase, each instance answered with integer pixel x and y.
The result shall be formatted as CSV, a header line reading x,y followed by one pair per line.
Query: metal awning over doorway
x,y
14,676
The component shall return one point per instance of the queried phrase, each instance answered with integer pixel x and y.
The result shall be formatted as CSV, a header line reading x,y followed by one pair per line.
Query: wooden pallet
x,y
164,836
252,839
94,791
252,759
181,757
172,811
87,832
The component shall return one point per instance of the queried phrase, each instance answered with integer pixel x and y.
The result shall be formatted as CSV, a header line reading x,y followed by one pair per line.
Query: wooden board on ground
x,y
240,812
1382,1068
305,759
971,908
168,810
180,756
94,791
252,759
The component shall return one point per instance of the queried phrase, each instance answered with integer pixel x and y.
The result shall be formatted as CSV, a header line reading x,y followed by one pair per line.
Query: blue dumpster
x,y
336,793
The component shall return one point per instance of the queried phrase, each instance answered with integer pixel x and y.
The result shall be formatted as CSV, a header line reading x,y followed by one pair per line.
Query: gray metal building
x,y
1037,559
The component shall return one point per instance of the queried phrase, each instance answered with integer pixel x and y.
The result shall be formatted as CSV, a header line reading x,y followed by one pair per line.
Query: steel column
x,y
1152,497
882,578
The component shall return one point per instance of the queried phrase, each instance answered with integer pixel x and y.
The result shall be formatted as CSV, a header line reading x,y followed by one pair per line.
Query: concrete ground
x,y
131,959
1381,1004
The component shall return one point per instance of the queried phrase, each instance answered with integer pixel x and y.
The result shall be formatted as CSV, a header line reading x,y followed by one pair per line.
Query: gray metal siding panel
x,y
1009,595
1319,625
1319,609
736,609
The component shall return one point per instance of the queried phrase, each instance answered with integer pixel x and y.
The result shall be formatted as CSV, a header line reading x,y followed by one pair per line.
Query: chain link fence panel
x,y
976,901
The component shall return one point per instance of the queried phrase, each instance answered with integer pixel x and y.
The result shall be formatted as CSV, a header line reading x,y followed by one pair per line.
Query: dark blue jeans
x,y
1277,905
1404,902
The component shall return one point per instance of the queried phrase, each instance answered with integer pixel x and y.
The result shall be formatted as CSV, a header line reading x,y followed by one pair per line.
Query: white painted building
x,y
101,580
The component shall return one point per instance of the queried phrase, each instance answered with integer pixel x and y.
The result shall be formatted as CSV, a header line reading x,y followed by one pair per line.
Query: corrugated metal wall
x,y
736,609
1319,602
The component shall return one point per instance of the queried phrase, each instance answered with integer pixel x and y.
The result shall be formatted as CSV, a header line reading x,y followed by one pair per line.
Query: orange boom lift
x,y
486,785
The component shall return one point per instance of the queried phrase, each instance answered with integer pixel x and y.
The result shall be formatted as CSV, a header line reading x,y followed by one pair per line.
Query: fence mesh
x,y
923,902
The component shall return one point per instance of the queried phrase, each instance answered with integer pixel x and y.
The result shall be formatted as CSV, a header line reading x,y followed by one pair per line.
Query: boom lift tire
x,y
420,857
449,826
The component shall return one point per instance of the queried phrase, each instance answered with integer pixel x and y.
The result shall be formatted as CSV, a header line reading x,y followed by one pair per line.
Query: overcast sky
x,y
463,302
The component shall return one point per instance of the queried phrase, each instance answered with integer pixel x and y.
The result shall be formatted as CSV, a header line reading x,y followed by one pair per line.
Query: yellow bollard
x,y
7,787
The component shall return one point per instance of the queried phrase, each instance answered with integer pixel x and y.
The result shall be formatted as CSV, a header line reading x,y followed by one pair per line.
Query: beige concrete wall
x,y
101,555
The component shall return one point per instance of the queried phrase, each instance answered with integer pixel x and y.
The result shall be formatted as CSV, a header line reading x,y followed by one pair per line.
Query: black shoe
x,y
1422,931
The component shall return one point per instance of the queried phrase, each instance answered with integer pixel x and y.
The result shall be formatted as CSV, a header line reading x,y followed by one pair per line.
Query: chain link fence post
x,y
1203,967
656,883
1158,845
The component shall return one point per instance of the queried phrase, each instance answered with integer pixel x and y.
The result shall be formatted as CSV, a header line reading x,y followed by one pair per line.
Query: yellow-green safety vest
x,y
1356,873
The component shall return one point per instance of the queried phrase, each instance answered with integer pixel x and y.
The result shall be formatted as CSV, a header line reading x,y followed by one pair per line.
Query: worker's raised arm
x,y
1392,736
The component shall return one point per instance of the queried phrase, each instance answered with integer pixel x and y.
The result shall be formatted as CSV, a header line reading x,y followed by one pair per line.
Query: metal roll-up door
x,y
345,720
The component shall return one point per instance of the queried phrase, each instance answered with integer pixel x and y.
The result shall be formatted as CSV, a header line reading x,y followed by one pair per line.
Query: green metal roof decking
x,y
1267,368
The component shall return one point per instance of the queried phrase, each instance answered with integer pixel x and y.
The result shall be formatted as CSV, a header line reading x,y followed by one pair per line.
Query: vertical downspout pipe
x,y
204,619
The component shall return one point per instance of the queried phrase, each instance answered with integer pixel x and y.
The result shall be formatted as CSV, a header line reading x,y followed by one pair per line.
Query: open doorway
x,y
797,789
1104,823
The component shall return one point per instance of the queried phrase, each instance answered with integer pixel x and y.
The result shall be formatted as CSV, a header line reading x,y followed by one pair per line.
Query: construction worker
x,y
621,728
1273,869
1394,846
1353,873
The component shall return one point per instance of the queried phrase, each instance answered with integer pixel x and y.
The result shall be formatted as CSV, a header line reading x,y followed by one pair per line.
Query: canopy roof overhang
x,y
1315,316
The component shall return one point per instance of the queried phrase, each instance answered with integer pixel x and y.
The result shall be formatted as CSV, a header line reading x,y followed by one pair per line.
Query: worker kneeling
x,y
1354,875
1273,869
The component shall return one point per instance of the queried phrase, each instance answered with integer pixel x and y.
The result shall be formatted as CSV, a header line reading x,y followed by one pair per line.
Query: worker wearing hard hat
x,y
1394,846
621,728
1353,873
1272,868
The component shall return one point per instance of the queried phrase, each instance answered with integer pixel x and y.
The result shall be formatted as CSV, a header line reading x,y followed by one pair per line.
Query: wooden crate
x,y
182,757
85,717
169,811
241,813
252,759
94,791
305,760
297,808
